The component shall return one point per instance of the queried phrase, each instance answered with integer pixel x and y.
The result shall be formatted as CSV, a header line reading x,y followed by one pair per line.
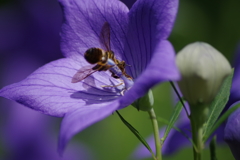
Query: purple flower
x,y
26,135
138,37
232,129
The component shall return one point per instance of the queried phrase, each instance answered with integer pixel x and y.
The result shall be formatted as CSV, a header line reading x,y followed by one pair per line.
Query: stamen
x,y
115,69
113,85
127,82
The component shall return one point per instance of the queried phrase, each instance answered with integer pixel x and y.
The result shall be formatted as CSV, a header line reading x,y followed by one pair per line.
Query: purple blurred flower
x,y
232,129
138,37
232,132
31,27
27,135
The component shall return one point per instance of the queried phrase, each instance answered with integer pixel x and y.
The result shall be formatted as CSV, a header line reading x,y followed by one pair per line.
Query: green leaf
x,y
174,117
179,96
222,119
137,134
218,104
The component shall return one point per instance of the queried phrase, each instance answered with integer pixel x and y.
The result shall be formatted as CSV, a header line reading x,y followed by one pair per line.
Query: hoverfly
x,y
104,59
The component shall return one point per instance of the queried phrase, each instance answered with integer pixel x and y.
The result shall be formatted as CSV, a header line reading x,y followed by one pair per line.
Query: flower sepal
x,y
144,103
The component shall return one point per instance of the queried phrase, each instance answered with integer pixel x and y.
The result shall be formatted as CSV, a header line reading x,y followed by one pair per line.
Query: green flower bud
x,y
144,103
203,70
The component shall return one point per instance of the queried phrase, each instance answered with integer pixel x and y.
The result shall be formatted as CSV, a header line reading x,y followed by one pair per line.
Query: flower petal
x,y
162,67
83,117
231,133
159,13
235,92
49,89
83,23
150,21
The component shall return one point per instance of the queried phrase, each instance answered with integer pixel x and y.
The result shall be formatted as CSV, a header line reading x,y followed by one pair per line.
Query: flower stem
x,y
197,140
197,118
158,145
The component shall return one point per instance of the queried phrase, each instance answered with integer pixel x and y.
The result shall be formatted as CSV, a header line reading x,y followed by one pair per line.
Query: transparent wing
x,y
105,37
83,73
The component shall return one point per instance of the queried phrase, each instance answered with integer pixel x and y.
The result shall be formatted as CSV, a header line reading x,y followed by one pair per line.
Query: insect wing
x,y
83,73
105,37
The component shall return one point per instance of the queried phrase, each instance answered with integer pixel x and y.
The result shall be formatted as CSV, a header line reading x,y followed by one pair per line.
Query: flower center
x,y
128,82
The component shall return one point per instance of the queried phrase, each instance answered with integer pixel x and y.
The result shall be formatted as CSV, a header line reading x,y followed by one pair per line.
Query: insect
x,y
103,58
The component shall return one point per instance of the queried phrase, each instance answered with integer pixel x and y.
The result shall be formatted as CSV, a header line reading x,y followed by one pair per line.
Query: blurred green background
x,y
216,22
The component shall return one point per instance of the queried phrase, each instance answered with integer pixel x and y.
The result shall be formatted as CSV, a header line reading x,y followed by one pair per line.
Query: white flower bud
x,y
203,70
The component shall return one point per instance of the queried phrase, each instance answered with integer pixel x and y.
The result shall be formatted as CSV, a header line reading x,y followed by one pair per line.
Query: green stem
x,y
197,118
158,145
212,147
197,139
